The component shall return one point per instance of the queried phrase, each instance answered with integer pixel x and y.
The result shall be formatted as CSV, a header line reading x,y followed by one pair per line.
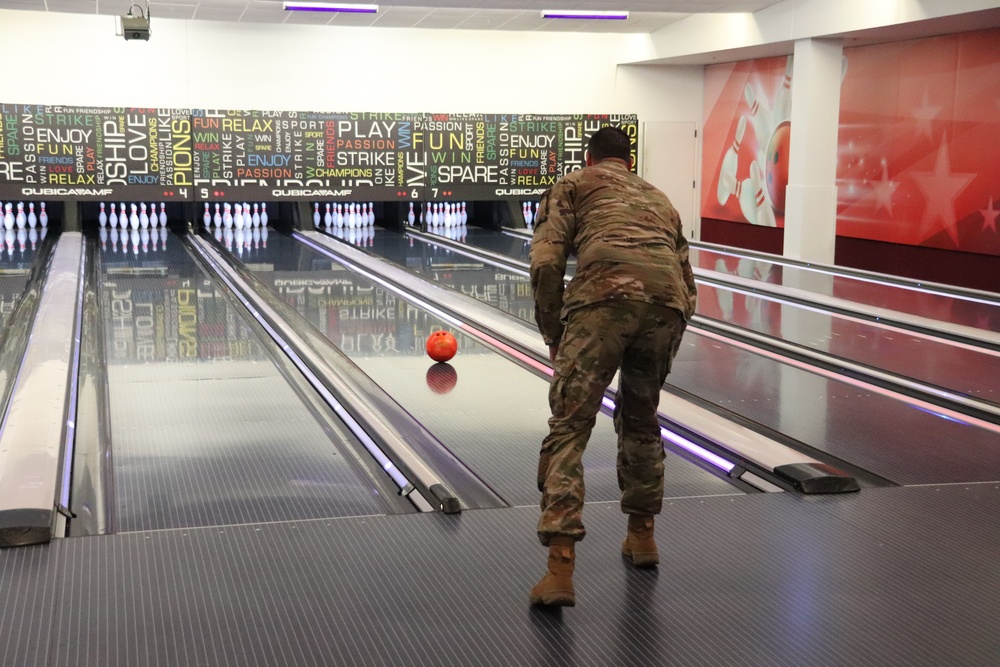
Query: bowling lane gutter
x,y
410,455
741,453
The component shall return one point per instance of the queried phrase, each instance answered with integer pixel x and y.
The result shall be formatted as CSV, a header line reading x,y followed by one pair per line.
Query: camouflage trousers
x,y
641,340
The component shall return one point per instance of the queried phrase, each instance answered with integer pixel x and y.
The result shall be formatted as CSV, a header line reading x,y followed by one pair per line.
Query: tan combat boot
x,y
639,545
556,587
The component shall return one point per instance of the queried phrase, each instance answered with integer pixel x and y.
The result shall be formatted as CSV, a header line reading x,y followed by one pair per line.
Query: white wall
x,y
261,66
792,20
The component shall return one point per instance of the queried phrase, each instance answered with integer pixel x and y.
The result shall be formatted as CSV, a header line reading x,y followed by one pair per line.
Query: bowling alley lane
x,y
839,420
491,413
17,260
960,369
951,308
207,428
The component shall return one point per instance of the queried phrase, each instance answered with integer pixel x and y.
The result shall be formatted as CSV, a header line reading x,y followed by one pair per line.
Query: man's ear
x,y
589,159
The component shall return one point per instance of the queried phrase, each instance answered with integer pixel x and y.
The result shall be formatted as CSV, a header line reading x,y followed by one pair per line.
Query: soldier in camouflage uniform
x,y
626,308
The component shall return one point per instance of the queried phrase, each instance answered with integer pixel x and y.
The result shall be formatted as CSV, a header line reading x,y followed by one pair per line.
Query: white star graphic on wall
x,y
924,115
941,187
990,216
884,190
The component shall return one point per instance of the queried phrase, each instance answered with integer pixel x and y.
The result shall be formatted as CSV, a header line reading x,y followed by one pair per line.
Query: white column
x,y
811,195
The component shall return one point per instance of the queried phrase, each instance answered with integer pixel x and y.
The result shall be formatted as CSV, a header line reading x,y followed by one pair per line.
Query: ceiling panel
x,y
646,15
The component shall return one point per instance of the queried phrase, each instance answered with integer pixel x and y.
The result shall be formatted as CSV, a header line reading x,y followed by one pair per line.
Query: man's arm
x,y
692,290
550,246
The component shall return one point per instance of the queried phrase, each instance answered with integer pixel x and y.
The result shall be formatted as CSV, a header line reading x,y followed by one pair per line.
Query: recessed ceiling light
x,y
330,7
582,14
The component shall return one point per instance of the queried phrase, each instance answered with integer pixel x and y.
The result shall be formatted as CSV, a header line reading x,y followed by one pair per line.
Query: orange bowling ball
x,y
776,169
441,346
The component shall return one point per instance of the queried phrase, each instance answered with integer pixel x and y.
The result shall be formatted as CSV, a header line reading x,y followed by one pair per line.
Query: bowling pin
x,y
238,217
371,213
730,163
765,215
746,195
227,217
8,218
32,218
263,214
143,216
43,217
465,215
102,217
133,218
21,219
163,214
217,218
447,214
760,117
327,217
783,99
255,219
206,219
113,218
410,216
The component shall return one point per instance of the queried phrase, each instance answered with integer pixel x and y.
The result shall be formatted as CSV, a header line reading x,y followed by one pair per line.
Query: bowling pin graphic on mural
x,y
730,164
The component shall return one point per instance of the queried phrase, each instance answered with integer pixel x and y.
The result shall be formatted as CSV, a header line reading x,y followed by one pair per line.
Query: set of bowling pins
x,y
238,216
764,119
146,239
455,232
19,240
432,214
528,213
23,220
139,218
244,239
338,214
363,237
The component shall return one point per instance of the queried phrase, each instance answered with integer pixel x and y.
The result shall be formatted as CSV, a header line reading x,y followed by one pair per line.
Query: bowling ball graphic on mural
x,y
441,346
776,167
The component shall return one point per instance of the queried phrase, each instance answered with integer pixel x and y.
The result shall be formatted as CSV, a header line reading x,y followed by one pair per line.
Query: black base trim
x,y
22,527
817,478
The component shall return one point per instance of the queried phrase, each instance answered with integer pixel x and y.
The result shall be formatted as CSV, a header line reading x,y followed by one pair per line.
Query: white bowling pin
x,y
730,164
206,220
133,218
163,214
410,216
32,218
263,214
255,219
327,217
783,99
43,217
102,217
765,215
113,218
465,215
238,217
227,217
143,216
747,197
217,218
21,219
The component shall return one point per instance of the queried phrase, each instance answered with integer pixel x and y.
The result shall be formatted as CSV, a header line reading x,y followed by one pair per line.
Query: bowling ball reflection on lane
x,y
441,378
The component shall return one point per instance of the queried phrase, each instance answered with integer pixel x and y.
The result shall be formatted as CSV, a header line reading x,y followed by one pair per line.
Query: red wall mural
x,y
918,148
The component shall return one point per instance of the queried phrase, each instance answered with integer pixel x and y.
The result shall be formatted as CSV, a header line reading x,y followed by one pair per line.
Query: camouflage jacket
x,y
627,238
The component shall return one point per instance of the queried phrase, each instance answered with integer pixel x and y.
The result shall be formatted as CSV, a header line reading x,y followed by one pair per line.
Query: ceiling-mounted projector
x,y
136,26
